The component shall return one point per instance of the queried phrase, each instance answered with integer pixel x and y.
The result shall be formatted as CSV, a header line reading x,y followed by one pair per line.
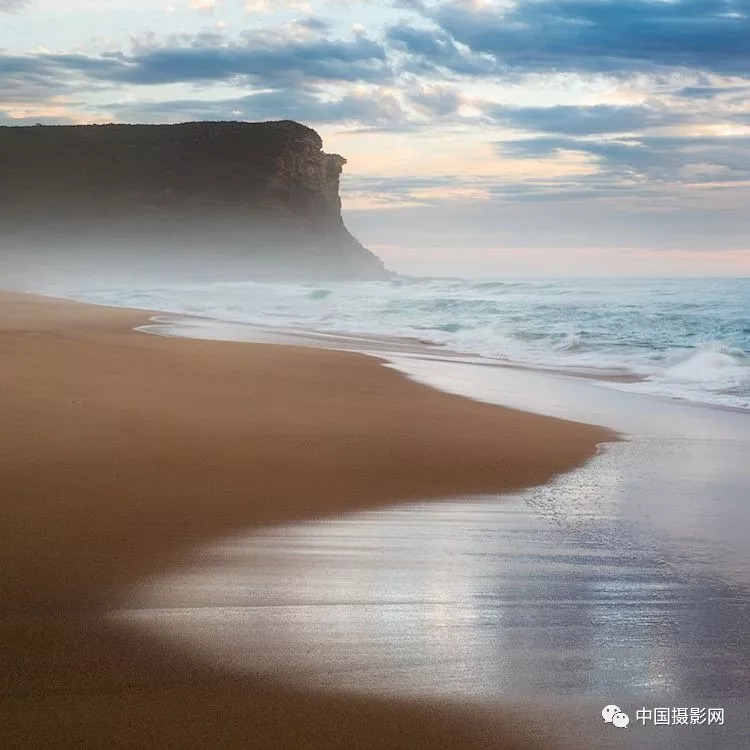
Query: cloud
x,y
8,118
271,60
206,6
361,59
604,36
9,6
366,192
315,24
638,162
27,79
580,120
666,221
739,92
431,49
269,6
352,107
435,100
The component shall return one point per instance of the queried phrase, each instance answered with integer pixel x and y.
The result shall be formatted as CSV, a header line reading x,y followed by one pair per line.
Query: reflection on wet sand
x,y
480,598
625,580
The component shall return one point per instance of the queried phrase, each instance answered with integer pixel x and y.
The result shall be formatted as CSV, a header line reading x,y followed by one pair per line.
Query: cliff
x,y
222,198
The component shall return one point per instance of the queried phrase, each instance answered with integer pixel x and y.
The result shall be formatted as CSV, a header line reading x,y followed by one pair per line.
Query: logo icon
x,y
613,715
621,720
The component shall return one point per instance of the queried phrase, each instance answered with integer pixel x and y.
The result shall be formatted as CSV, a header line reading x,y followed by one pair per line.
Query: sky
x,y
483,137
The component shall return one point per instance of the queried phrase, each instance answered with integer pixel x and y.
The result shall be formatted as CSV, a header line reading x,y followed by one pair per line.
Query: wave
x,y
678,338
319,294
571,342
713,361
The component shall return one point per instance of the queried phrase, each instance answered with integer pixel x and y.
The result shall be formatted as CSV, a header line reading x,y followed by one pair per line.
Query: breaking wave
x,y
684,338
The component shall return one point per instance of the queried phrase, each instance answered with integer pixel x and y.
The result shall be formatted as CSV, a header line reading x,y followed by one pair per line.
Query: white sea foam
x,y
677,338
711,363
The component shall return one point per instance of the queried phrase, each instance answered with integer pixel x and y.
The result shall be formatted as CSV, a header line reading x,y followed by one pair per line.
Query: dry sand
x,y
122,451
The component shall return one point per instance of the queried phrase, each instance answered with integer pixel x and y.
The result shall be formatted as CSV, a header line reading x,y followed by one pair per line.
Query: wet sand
x,y
122,453
624,581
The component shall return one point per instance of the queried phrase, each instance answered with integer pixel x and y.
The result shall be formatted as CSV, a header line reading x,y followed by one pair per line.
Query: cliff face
x,y
226,198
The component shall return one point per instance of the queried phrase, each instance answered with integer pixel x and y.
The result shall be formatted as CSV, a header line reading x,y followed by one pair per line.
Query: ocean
x,y
676,338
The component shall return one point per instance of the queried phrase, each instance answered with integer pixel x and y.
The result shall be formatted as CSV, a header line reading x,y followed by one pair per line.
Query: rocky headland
x,y
227,199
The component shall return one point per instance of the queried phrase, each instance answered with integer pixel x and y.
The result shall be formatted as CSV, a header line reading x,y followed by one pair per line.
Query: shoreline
x,y
162,325
125,451
405,348
700,369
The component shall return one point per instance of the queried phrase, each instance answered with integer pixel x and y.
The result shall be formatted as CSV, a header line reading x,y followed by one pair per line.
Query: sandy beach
x,y
122,452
